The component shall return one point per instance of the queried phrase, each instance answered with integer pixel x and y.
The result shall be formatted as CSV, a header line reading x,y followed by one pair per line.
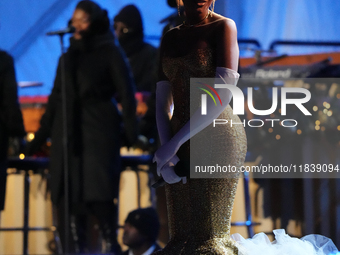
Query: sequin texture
x,y
200,211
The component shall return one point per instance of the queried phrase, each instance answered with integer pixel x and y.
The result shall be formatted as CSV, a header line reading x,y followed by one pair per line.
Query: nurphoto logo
x,y
239,102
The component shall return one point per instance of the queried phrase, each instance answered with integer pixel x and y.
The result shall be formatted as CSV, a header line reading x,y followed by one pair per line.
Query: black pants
x,y
83,237
3,177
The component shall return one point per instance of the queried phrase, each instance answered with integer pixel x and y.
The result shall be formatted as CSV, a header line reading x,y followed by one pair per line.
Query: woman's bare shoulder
x,y
223,22
171,33
169,38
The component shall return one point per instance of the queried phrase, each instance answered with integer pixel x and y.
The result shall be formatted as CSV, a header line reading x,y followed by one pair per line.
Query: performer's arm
x,y
46,121
164,103
163,112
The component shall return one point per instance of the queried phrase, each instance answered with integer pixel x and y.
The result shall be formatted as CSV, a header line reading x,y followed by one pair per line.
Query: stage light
x,y
30,136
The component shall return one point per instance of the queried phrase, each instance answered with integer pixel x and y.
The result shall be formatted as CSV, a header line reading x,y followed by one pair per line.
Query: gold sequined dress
x,y
199,212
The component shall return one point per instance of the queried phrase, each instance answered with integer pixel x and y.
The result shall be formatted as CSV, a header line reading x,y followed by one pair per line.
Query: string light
x,y
30,136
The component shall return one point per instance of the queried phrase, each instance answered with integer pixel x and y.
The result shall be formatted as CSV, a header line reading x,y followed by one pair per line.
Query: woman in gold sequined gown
x,y
199,211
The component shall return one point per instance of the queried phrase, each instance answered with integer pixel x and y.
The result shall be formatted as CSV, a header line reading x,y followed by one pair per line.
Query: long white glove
x,y
165,156
164,103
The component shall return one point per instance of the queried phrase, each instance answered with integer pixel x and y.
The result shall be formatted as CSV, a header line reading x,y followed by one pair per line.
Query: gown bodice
x,y
198,63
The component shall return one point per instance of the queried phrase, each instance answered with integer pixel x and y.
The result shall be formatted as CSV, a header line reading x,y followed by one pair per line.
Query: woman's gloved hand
x,y
169,175
166,154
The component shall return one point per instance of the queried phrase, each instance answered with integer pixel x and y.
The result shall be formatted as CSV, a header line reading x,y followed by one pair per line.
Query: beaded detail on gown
x,y
199,212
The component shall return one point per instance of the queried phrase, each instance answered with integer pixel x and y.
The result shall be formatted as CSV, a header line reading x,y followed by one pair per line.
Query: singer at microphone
x,y
68,30
91,73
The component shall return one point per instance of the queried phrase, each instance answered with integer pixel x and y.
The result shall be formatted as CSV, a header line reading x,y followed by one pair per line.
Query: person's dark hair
x,y
146,221
99,20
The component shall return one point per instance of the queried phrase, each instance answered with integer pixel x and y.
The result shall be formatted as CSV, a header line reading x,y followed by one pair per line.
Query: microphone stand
x,y
65,145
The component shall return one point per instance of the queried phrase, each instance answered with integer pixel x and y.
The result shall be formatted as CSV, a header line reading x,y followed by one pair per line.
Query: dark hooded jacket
x,y
95,73
141,55
11,123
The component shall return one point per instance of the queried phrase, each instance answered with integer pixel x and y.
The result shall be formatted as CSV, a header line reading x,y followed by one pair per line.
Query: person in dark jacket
x,y
142,56
11,123
95,73
141,229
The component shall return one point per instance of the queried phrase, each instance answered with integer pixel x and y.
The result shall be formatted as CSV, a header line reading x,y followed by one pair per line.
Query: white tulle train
x,y
285,245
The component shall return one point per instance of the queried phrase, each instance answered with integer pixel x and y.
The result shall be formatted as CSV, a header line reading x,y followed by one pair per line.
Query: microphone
x,y
62,31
